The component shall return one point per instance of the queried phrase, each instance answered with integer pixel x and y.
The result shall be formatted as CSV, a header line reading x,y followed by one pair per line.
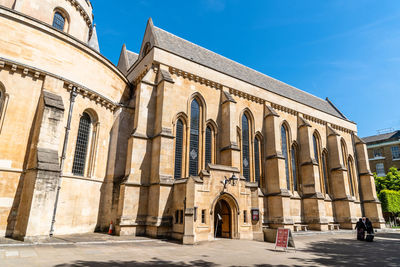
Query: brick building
x,y
383,152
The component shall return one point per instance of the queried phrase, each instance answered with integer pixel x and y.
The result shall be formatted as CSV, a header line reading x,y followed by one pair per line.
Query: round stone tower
x,y
70,16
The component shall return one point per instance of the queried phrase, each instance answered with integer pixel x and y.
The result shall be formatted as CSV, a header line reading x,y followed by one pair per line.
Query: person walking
x,y
370,230
361,228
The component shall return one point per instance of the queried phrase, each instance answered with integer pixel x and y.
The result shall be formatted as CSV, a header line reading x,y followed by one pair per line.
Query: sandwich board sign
x,y
284,239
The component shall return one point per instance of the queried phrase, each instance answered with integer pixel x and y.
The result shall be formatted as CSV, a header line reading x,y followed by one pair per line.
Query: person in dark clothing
x,y
370,230
369,227
361,228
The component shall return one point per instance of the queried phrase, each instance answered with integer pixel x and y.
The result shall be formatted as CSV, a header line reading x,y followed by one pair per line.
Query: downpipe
x,y
73,95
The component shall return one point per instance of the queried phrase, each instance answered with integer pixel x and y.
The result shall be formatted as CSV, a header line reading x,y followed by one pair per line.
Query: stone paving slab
x,y
311,250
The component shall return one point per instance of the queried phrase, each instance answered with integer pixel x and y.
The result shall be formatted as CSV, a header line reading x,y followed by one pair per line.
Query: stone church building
x,y
176,141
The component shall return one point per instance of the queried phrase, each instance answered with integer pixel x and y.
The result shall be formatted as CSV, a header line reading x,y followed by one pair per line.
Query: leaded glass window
x,y
194,138
208,154
178,149
285,153
316,149
294,167
82,143
257,159
58,21
350,170
325,171
245,148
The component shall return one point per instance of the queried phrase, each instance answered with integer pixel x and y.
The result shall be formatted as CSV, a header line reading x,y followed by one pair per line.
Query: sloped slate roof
x,y
382,137
132,57
200,55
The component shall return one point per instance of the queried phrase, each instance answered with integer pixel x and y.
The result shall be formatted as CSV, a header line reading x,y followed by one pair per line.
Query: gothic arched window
x,y
58,21
178,149
194,138
351,175
257,157
294,167
317,157
285,153
209,145
82,143
325,171
245,147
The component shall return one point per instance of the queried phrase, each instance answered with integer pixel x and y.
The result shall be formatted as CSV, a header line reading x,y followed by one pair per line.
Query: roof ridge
x,y
241,65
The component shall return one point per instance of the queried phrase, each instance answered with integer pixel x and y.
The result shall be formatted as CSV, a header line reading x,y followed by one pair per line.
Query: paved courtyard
x,y
312,250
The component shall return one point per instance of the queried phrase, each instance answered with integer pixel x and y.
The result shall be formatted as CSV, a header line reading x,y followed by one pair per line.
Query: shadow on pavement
x,y
384,251
153,262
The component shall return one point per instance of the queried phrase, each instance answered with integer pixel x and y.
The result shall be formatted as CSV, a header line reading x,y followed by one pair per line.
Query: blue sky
x,y
346,50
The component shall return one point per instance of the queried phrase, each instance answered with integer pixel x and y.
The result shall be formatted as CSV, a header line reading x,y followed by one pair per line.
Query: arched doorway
x,y
222,219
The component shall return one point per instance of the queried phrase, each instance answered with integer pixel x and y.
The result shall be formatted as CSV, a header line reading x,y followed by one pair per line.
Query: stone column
x,y
162,168
189,233
343,202
313,199
372,206
132,206
230,151
275,190
43,170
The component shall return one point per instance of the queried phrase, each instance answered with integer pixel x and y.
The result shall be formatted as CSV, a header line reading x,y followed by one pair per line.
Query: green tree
x,y
389,182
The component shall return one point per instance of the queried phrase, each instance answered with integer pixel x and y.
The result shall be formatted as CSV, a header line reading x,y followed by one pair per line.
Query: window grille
x,y
325,172
294,168
380,169
208,154
178,149
257,160
377,153
78,167
285,153
395,152
350,170
245,148
58,21
194,138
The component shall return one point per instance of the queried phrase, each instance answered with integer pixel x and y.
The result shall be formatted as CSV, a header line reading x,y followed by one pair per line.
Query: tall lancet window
x,y
178,149
194,138
257,158
294,167
351,176
82,143
285,153
325,171
245,148
209,146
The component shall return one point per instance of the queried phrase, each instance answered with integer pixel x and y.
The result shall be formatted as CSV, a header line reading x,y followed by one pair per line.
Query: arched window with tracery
x,y
246,147
325,171
257,159
317,157
351,175
208,146
294,164
285,153
59,21
178,149
82,144
194,138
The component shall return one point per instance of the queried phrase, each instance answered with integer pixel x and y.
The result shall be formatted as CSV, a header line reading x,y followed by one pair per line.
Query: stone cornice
x,y
38,73
192,77
82,11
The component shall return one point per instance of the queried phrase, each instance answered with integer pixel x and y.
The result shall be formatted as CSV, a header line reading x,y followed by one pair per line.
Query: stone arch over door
x,y
234,211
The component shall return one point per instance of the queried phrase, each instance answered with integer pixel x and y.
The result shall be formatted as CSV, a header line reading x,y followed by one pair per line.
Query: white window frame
x,y
380,171
395,152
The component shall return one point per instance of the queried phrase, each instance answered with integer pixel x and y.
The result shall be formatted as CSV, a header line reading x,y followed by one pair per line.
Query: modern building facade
x,y
383,151
175,141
